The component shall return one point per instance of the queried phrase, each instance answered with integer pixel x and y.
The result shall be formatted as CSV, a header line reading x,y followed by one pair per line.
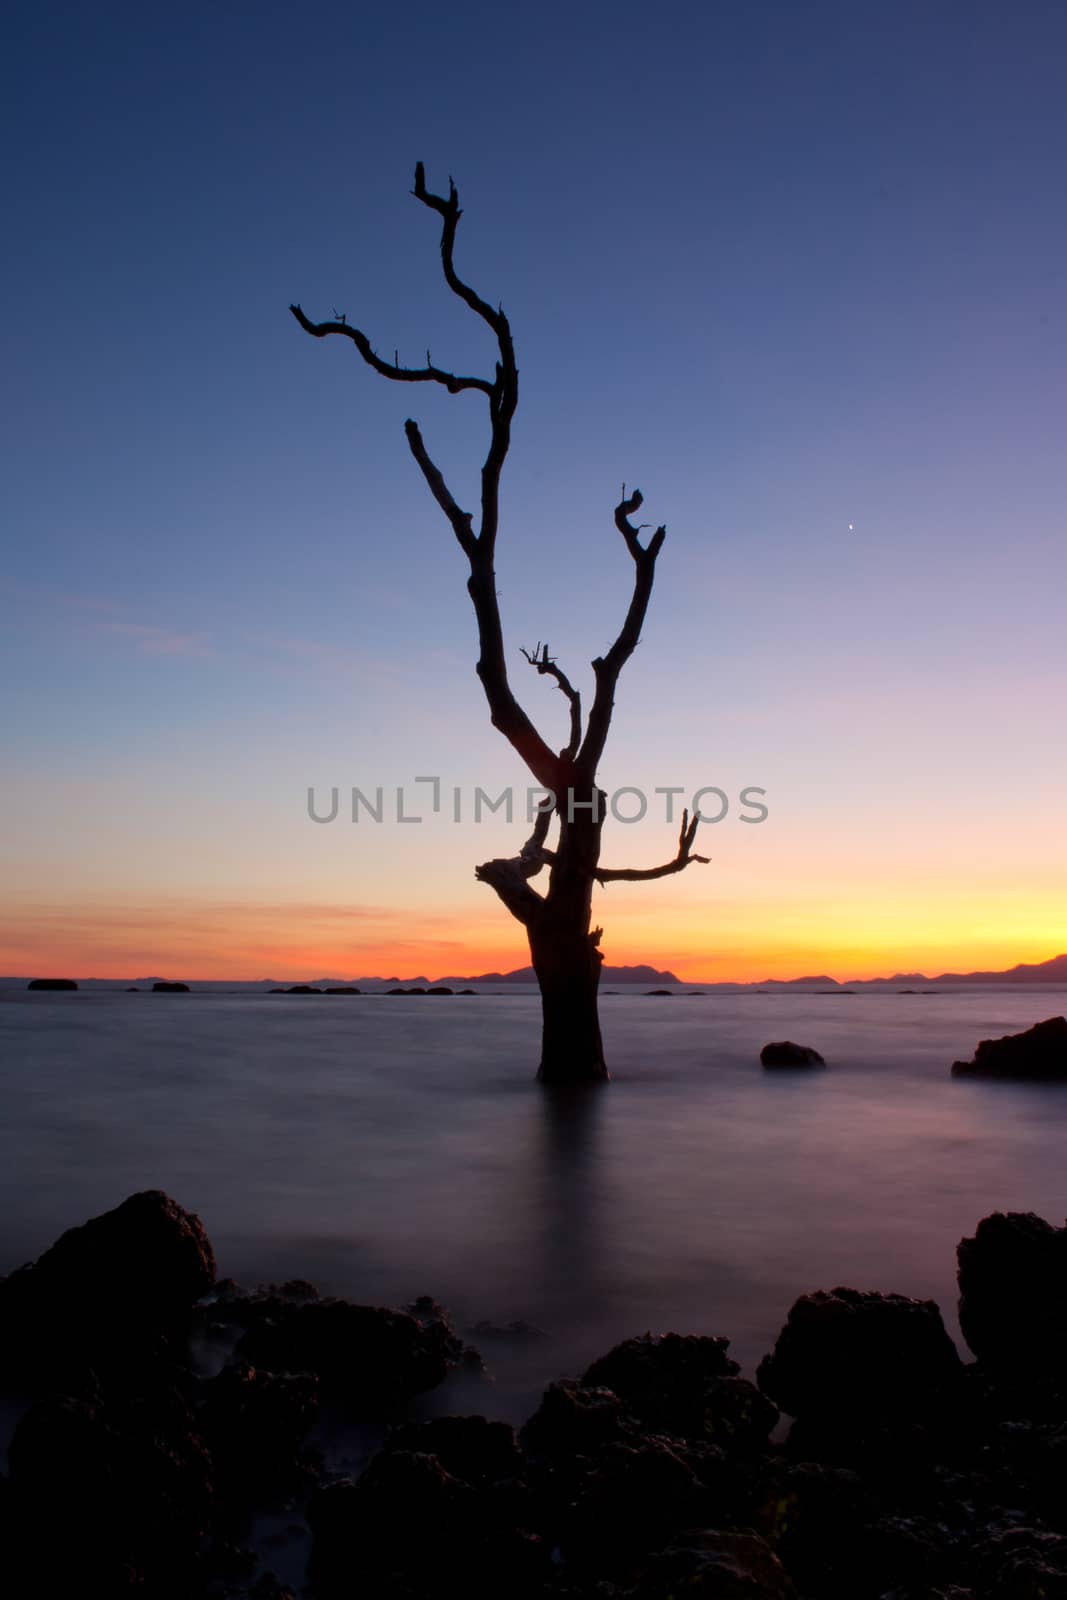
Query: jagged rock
x,y
686,1385
471,1448
709,1565
852,1353
147,1254
369,1360
254,1424
110,1292
574,1419
635,1498
409,1526
1039,1054
108,1498
1013,1292
814,1518
1020,1563
785,1053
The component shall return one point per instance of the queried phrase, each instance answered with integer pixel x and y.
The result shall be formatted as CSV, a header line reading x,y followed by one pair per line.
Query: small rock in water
x,y
517,1330
785,1053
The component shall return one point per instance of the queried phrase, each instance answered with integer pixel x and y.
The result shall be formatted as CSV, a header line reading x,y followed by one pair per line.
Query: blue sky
x,y
789,268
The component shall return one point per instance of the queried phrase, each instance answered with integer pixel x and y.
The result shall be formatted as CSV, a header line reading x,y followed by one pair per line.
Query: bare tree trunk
x,y
567,963
565,953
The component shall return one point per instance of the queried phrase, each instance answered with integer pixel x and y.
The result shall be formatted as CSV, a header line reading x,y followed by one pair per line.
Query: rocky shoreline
x,y
162,1414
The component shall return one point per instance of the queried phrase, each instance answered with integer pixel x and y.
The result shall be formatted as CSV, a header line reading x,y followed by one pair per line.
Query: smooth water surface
x,y
388,1146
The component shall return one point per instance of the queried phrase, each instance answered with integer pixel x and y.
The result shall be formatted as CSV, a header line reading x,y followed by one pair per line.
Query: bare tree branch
x,y
399,374
546,665
503,396
460,520
504,392
682,860
508,877
607,668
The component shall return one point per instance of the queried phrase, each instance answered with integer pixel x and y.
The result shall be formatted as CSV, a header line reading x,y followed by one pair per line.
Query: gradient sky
x,y
787,267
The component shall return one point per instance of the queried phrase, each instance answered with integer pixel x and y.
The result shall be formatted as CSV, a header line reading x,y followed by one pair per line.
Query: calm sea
x,y
387,1146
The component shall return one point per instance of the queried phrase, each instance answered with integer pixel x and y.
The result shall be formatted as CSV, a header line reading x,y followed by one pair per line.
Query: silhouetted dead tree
x,y
563,946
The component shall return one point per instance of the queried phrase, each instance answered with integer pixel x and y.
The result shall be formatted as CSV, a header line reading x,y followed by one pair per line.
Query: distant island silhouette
x,y
1053,971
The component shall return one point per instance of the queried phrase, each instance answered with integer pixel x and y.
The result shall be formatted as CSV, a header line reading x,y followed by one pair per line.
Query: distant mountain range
x,y
1041,972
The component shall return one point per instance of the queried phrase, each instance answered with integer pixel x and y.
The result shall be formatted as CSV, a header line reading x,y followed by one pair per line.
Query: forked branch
x,y
607,668
545,664
682,860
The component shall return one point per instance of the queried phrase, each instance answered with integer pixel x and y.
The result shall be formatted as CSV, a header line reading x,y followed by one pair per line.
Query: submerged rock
x,y
518,1331
1013,1292
1039,1054
845,1352
785,1053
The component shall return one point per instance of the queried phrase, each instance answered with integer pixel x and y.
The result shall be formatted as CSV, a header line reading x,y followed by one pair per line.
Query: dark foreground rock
x,y
1013,1293
709,1565
165,1414
1039,1054
688,1386
170,988
785,1053
117,1290
369,1360
52,983
845,1352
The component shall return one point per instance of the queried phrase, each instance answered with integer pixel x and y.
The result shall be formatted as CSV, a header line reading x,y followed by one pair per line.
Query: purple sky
x,y
789,268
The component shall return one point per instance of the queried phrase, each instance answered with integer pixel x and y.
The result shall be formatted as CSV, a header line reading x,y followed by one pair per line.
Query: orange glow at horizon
x,y
729,943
